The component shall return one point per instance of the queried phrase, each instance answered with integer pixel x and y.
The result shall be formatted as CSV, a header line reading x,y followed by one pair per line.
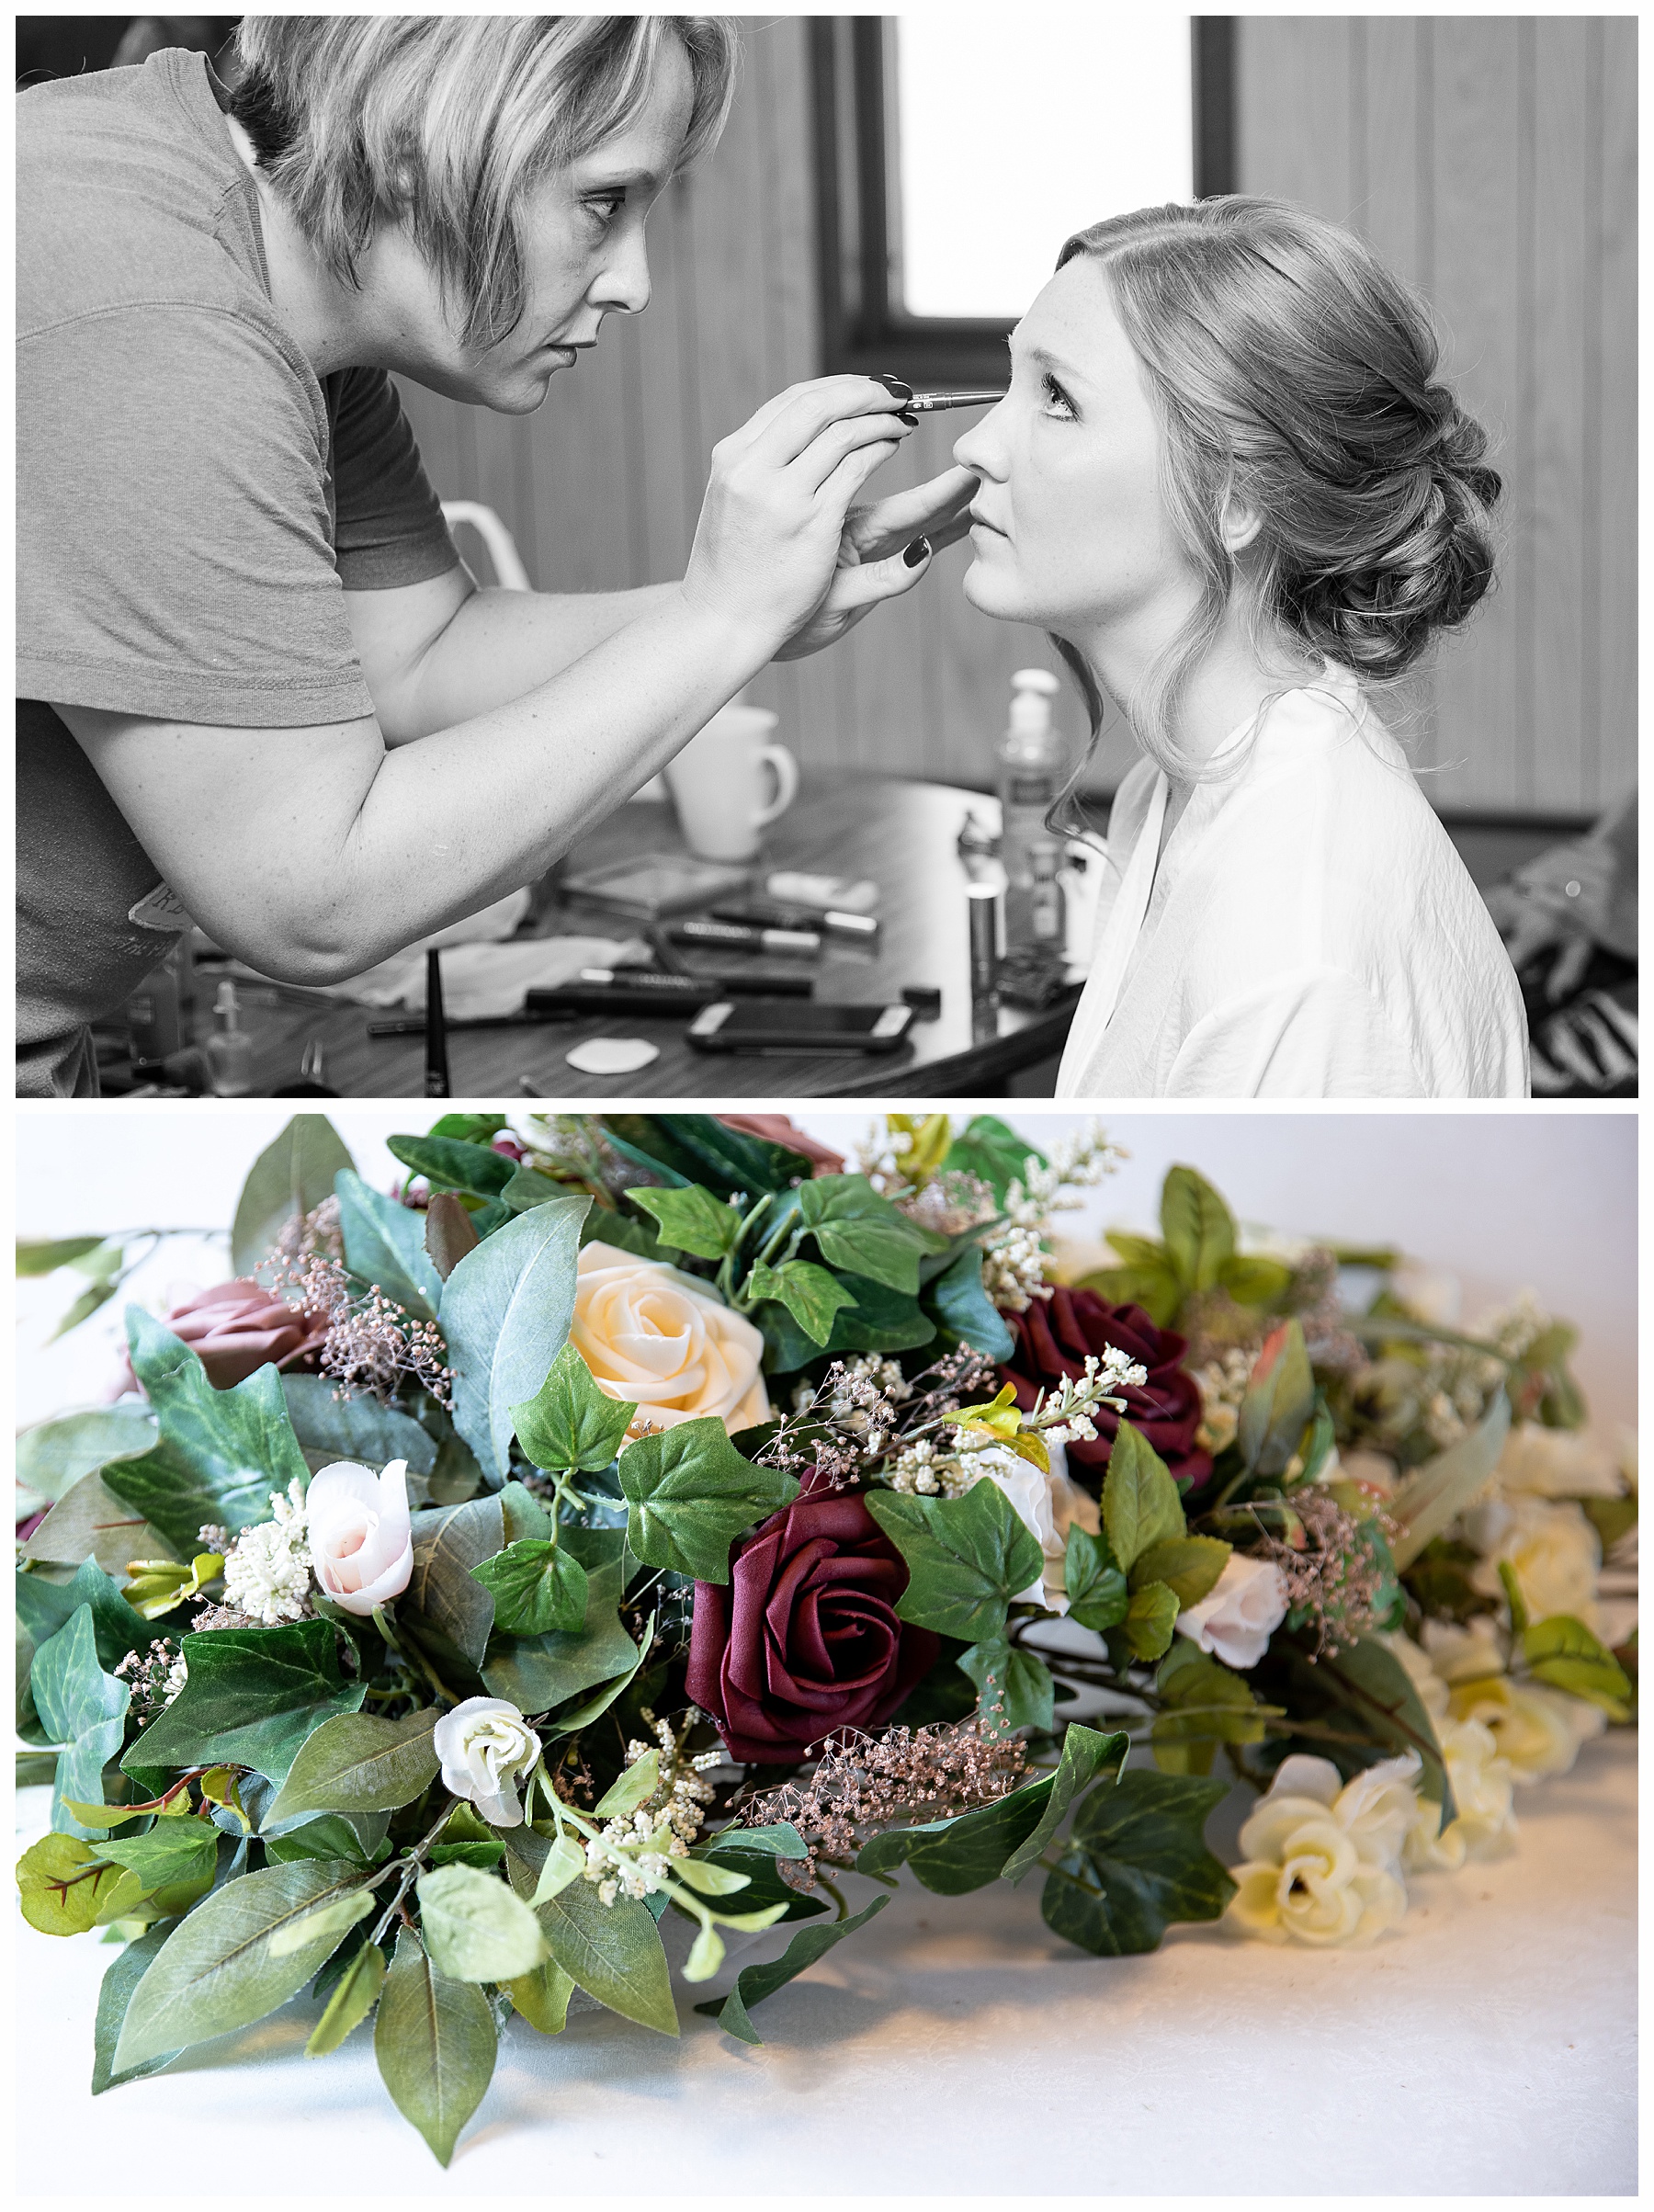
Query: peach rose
x,y
666,1342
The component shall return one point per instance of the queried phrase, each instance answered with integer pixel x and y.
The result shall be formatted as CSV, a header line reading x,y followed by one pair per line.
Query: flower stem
x,y
409,1870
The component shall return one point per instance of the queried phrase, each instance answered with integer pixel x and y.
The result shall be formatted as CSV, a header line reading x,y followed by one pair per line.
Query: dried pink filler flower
x,y
1334,1577
371,1342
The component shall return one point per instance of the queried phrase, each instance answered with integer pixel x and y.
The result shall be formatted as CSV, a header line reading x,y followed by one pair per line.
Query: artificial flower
x,y
666,1342
1556,1463
803,1640
1241,1612
1553,1550
267,1567
236,1328
360,1534
486,1749
1539,1729
1321,1855
1046,1504
779,1129
1484,1826
1052,1339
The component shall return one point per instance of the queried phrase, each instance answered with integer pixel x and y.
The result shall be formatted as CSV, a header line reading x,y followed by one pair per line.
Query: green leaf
x,y
692,1220
811,1295
528,1188
591,1708
1189,1566
630,1788
613,1952
1013,1686
251,1698
1154,1285
216,1972
990,1148
360,1838
1208,1706
44,1607
221,1454
454,1164
475,1128
1434,1495
1562,1651
384,1246
1363,1682
698,1148
174,1851
290,1176
968,1852
967,1559
1086,1751
754,1983
45,1255
689,1494
334,1918
1140,1504
1198,1228
1096,1588
356,1428
474,1928
442,1595
52,1456
121,1976
539,1673
434,2041
856,1230
62,1886
505,1314
1251,1280
569,1423
88,1303
880,1320
1138,1861
89,1521
542,1997
535,1587
1151,1619
354,1997
955,1297
1279,1399
756,1853
83,1710
355,1764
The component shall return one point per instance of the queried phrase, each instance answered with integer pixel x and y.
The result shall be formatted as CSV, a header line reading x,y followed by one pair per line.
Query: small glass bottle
x,y
228,1049
1045,904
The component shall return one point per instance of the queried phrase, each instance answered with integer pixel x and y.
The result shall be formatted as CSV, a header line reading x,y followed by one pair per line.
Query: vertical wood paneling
x,y
1612,393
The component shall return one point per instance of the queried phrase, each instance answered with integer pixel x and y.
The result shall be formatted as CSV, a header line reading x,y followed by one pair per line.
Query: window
x,y
946,141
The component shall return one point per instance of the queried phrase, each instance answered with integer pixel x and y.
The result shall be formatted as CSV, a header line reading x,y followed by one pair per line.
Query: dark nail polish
x,y
911,420
916,552
895,386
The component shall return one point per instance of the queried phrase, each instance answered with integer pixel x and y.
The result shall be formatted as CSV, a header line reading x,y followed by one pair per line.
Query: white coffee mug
x,y
718,783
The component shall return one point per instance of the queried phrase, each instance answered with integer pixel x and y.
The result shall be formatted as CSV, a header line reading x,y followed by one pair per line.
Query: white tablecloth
x,y
954,2047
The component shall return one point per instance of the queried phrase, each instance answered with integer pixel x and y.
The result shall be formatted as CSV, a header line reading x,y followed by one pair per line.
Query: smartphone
x,y
756,1025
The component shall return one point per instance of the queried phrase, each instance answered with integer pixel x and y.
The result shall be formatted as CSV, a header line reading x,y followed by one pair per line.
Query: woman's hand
x,y
873,563
774,518
1564,902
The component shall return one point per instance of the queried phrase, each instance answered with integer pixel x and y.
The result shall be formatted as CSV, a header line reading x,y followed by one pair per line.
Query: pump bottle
x,y
1031,760
228,1049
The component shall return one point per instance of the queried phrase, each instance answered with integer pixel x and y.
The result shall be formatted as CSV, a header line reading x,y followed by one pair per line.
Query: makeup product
x,y
926,999
1032,757
936,403
228,1049
749,937
612,1055
775,1025
651,983
655,884
413,1025
983,903
759,914
841,893
436,1028
312,1076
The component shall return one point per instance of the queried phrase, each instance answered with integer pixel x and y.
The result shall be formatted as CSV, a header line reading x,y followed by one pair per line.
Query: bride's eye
x,y
1057,402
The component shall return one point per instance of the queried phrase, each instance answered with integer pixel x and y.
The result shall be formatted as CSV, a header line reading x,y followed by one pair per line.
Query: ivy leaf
x,y
1189,1566
1151,1619
356,1763
1015,1687
1138,1861
89,1521
506,1313
753,1984
44,1607
1198,1228
1086,1751
967,1559
384,1245
251,1697
83,1710
692,1220
290,1176
539,1673
475,1928
530,1188
1140,1504
535,1587
993,1150
436,2045
856,1230
1279,1399
455,1164
216,1970
689,1494
1562,1651
1096,1588
1208,1706
811,1294
698,1148
221,1452
880,1320
124,1973
955,1297
354,1997
570,1425
61,1886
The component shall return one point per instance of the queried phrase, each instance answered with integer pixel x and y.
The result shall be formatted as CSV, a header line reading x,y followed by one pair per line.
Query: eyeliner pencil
x,y
436,1030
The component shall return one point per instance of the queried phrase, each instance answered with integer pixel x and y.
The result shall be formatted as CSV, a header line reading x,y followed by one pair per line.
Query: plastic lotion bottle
x,y
228,1049
1031,760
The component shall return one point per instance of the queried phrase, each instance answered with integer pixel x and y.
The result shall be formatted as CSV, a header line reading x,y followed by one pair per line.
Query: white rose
x,y
486,1749
1047,1504
1556,1463
361,1540
1240,1613
1432,1689
1552,1548
1537,1730
666,1342
1320,1864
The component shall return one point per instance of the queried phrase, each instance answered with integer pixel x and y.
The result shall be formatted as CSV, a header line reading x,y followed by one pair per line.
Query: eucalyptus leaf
x,y
449,1541
52,1456
290,1176
89,1521
506,1313
434,2040
384,1246
356,1428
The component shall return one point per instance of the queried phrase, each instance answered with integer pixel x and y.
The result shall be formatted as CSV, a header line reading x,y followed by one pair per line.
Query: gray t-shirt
x,y
192,505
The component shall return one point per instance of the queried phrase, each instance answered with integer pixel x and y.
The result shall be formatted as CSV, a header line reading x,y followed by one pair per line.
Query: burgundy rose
x,y
1052,1339
804,1639
236,1327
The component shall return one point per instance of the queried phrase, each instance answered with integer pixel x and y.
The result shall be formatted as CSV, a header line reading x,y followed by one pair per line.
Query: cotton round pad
x,y
612,1055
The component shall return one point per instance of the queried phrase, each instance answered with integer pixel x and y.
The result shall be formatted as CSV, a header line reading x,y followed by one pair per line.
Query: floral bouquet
x,y
545,1577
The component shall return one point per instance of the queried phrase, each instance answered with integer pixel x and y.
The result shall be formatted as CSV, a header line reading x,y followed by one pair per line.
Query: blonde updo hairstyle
x,y
1291,371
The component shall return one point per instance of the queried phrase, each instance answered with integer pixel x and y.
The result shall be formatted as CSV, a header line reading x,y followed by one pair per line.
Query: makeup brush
x,y
934,403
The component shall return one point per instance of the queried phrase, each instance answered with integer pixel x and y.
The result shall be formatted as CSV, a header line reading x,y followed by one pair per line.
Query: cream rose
x,y
1047,1506
1241,1612
486,1749
361,1542
1556,1463
1539,1729
665,1341
1553,1549
1322,1856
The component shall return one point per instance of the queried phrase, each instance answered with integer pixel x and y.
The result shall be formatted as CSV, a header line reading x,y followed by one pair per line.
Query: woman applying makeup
x,y
1228,481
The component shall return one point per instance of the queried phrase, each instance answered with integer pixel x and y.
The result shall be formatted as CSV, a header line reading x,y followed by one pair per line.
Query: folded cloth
x,y
481,980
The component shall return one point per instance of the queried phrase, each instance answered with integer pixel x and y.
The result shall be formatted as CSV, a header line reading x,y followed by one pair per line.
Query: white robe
x,y
1309,932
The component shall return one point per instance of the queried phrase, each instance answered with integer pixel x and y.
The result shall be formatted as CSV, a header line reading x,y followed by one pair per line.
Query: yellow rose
x,y
666,1342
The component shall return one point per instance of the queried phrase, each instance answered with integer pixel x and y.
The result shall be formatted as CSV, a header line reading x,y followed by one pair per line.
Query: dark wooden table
x,y
901,835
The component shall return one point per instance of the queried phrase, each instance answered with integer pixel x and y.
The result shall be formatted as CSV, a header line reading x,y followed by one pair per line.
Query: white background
x,y
1504,1201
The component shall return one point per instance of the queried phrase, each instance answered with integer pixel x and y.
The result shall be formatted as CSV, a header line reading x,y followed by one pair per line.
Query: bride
x,y
1229,482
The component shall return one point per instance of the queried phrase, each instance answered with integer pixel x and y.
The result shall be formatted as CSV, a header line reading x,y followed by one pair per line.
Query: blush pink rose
x,y
236,1328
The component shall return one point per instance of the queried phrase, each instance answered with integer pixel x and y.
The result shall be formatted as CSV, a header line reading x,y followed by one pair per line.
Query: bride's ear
x,y
1238,523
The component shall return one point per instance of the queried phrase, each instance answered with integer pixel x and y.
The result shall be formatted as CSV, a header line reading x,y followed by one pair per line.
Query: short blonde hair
x,y
446,122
